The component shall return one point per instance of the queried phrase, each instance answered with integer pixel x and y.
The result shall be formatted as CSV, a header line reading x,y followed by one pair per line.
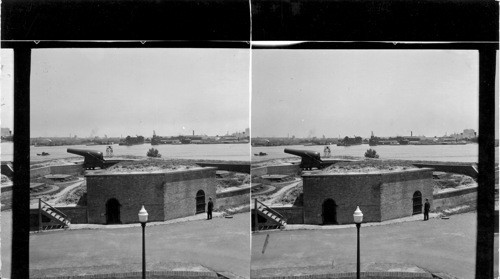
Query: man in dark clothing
x,y
427,207
210,207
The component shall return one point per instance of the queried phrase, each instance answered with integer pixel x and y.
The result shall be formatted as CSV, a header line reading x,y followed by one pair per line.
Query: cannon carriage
x,y
94,159
310,159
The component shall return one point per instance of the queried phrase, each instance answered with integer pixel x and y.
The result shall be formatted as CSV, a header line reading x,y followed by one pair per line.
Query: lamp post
x,y
358,218
143,218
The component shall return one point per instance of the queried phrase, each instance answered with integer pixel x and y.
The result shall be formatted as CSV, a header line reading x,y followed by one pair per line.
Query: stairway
x,y
269,218
55,219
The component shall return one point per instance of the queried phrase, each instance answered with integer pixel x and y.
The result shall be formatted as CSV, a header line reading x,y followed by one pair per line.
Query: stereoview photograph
x,y
139,163
367,162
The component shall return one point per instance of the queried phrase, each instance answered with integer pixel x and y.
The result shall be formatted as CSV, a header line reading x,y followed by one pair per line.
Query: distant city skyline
x,y
367,136
121,92
238,131
310,93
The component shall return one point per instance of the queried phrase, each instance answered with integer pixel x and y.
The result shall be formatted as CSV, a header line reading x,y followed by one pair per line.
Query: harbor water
x,y
226,152
442,153
243,152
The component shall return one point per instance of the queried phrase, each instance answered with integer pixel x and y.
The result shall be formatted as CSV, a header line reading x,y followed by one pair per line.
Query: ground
x,y
436,245
220,244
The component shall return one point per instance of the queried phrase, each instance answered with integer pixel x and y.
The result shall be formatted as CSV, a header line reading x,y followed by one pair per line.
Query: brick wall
x,y
131,191
348,191
76,214
181,188
368,191
67,169
63,169
233,201
39,172
233,198
284,169
397,192
454,198
260,171
281,169
165,195
293,215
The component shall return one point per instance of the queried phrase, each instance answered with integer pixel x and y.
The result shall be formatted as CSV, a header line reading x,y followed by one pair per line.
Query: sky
x,y
7,89
306,93
121,92
97,92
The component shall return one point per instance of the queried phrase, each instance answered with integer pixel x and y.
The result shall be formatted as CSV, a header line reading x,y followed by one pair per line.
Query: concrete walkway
x,y
220,245
196,217
437,245
413,218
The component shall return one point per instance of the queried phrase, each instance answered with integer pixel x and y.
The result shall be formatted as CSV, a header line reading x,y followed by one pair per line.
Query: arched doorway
x,y
417,203
200,202
113,211
329,212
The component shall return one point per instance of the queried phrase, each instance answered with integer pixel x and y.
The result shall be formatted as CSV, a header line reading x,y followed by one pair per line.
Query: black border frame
x,y
426,24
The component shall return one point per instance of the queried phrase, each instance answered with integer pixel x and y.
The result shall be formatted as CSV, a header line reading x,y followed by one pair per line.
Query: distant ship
x,y
347,141
132,140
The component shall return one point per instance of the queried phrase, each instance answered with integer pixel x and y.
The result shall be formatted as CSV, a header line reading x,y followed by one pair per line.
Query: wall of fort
x,y
67,169
62,169
454,198
293,215
179,199
281,169
76,214
234,198
369,191
165,195
34,173
397,192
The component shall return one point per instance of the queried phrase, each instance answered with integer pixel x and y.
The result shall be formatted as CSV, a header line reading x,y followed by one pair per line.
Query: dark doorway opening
x,y
329,212
113,211
200,202
417,203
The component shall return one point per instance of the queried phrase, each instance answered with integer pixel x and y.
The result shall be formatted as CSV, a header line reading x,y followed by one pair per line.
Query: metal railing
x,y
40,205
257,203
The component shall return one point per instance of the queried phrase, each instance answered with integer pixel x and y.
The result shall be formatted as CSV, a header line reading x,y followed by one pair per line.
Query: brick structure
x,y
118,197
332,198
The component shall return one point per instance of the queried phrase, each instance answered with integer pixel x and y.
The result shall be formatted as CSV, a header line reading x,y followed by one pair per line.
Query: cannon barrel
x,y
93,158
310,159
85,153
303,153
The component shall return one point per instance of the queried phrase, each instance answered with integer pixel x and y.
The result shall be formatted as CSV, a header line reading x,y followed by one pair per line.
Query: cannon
x,y
93,158
310,159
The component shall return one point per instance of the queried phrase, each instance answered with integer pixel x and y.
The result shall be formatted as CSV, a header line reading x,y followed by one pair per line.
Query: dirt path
x,y
276,196
59,196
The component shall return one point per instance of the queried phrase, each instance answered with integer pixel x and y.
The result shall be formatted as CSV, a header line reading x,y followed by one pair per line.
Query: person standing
x,y
427,207
210,207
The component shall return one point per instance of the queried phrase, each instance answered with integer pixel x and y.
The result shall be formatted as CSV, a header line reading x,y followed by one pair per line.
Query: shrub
x,y
153,152
371,153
